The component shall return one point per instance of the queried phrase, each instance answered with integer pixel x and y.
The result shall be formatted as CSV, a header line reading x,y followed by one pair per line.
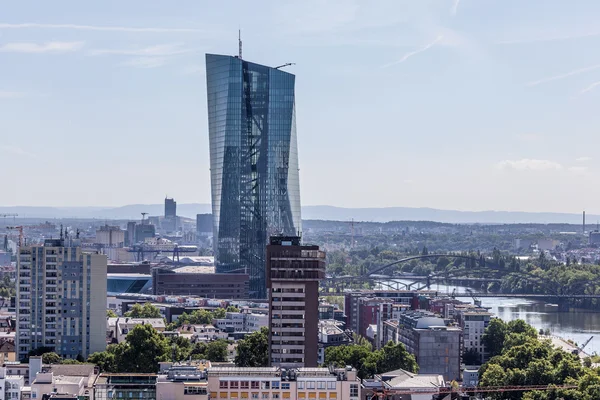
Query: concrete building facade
x,y
293,275
437,348
58,289
110,236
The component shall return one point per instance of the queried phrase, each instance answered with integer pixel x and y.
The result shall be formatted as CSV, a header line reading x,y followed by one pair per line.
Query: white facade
x,y
10,385
474,324
242,322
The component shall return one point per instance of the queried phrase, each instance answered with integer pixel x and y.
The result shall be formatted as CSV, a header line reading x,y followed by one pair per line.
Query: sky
x,y
452,104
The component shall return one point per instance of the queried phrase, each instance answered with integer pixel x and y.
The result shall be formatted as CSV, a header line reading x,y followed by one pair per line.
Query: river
x,y
577,325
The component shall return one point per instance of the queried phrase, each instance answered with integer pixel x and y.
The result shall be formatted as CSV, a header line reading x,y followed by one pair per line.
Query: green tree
x,y
144,348
216,351
111,314
395,356
183,348
145,311
494,336
232,309
105,360
253,350
471,357
51,358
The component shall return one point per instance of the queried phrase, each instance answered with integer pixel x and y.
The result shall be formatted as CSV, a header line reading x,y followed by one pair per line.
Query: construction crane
x,y
386,394
284,65
580,348
144,217
20,229
9,215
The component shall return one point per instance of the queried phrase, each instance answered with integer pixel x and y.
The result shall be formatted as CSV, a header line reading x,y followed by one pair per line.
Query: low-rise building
x,y
400,382
182,382
241,322
118,328
276,383
331,334
125,386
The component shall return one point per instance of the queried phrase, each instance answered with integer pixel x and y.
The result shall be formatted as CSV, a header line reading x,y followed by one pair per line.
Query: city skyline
x,y
444,104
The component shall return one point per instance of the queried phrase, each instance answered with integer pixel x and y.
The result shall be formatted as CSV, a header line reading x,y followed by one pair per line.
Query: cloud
x,y
566,75
590,87
583,159
527,164
98,28
16,150
454,8
41,48
412,53
160,50
145,62
409,181
11,95
579,170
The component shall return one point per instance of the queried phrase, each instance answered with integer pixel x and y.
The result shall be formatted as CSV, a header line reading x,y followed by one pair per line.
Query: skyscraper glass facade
x,y
253,161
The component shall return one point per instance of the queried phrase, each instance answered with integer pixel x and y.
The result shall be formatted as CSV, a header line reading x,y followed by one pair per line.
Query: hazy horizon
x,y
454,105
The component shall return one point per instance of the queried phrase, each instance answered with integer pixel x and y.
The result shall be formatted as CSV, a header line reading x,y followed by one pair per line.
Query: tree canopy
x,y
145,347
367,362
523,359
253,350
145,311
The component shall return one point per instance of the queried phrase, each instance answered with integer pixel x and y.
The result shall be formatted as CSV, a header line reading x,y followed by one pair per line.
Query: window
x,y
310,385
254,385
244,384
275,395
266,385
274,385
331,385
265,395
300,385
285,386
234,385
223,385
320,385
354,390
255,395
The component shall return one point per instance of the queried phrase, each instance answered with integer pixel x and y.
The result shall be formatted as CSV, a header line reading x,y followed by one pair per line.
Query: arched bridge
x,y
421,282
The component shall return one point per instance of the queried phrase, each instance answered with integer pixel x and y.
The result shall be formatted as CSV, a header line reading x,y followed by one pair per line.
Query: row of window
x,y
329,385
285,395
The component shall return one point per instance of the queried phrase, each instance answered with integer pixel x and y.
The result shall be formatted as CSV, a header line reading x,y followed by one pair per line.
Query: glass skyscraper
x,y
253,161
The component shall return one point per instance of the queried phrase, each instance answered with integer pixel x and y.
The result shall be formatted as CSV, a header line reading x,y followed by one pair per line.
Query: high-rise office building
x,y
293,275
170,208
253,162
61,292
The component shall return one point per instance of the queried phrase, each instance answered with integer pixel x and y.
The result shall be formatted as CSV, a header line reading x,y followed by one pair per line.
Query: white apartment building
x,y
60,299
241,322
10,385
275,383
474,321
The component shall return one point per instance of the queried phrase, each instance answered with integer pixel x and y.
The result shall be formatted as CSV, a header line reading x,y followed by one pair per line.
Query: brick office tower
x,y
293,275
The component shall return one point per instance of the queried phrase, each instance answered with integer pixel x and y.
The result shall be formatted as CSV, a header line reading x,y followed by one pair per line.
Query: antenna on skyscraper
x,y
240,42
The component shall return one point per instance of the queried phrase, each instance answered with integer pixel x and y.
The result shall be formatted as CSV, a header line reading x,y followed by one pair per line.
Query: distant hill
x,y
431,214
331,213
